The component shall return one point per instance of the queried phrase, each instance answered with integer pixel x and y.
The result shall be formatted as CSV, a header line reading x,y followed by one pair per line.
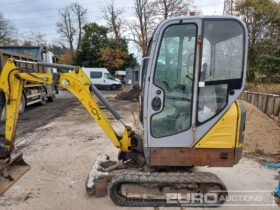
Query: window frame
x,y
143,78
193,79
231,83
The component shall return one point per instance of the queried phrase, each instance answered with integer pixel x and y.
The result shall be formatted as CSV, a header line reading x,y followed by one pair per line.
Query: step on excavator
x,y
191,77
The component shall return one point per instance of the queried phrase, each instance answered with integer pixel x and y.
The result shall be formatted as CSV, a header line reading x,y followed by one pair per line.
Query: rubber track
x,y
152,179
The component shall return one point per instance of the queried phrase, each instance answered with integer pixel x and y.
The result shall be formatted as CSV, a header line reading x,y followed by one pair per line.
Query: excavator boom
x,y
76,82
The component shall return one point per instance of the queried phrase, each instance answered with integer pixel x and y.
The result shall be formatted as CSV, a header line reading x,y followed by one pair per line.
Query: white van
x,y
102,78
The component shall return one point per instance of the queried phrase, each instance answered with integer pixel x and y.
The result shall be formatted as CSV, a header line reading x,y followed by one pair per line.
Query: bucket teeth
x,y
11,169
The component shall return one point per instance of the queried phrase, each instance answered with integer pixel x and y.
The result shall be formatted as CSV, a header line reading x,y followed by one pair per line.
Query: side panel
x,y
5,55
224,133
220,147
194,157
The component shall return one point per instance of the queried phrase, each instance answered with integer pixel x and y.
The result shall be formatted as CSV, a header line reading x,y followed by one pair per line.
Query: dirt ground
x,y
262,87
262,136
37,115
62,151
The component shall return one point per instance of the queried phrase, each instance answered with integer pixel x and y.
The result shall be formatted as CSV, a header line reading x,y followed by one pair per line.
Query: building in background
x,y
132,75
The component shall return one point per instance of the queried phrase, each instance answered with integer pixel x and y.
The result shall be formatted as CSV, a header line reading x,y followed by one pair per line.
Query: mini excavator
x,y
191,77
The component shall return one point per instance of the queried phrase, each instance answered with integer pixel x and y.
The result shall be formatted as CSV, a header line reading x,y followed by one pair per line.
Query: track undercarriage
x,y
146,187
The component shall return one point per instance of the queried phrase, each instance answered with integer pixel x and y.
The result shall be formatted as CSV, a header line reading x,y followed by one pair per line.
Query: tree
x,y
114,21
170,8
80,13
97,50
262,18
141,29
67,57
113,59
57,49
34,39
6,30
147,13
72,18
130,61
66,26
115,56
94,39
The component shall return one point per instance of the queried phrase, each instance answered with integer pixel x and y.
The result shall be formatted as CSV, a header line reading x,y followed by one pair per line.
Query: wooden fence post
x,y
254,99
270,104
260,101
249,97
264,105
267,103
276,109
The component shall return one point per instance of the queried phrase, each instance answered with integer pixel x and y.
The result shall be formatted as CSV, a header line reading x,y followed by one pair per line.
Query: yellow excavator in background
x,y
192,75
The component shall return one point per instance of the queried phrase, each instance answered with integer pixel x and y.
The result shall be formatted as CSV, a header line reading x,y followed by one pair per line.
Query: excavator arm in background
x,y
76,82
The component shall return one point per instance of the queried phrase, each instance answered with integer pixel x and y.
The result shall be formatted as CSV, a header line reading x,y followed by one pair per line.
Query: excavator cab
x,y
193,73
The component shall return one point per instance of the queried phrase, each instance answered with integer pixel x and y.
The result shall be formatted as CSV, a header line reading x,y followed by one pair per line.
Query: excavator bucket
x,y
11,170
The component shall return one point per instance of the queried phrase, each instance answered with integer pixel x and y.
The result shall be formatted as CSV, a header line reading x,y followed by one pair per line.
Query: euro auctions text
x,y
233,198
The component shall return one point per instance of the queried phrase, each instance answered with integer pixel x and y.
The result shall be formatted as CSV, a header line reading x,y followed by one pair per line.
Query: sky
x,y
42,15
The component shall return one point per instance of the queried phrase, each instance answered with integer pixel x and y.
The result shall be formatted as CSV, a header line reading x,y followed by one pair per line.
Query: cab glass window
x,y
174,75
221,65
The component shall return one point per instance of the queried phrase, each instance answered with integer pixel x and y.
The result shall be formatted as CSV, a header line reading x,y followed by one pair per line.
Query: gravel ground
x,y
62,151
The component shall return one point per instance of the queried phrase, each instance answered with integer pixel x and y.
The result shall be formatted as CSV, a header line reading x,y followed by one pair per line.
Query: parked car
x,y
102,78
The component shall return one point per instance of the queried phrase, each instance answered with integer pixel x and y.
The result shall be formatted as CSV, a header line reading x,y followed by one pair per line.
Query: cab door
x,y
169,91
222,72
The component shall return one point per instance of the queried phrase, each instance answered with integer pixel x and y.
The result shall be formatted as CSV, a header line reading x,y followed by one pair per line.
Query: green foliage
x,y
97,50
130,61
94,39
116,58
262,18
66,57
113,58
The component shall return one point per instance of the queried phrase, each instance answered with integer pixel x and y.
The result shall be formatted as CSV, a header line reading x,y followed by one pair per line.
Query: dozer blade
x,y
101,173
11,170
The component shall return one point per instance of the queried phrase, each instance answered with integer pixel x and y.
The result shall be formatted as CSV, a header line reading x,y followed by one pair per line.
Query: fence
x,y
267,103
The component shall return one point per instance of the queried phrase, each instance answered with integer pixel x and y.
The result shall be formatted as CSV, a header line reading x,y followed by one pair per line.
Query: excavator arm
x,y
76,82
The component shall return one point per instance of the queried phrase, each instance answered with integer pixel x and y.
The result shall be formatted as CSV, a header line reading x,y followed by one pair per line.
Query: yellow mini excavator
x,y
191,77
